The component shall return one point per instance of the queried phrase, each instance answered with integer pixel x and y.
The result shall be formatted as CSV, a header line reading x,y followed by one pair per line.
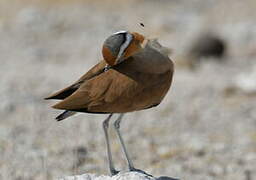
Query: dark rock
x,y
208,45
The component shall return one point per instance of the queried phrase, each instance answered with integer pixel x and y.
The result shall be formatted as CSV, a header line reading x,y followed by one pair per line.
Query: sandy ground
x,y
204,129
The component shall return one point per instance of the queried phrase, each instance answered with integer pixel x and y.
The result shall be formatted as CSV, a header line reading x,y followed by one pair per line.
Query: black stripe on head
x,y
124,46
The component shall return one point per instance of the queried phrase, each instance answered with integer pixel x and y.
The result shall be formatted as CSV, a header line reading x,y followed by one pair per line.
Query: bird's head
x,y
120,46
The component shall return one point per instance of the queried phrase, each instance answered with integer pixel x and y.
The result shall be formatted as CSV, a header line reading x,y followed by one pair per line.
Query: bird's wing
x,y
62,94
101,90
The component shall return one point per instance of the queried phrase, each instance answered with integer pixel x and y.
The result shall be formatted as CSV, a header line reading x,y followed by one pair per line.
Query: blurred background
x,y
204,129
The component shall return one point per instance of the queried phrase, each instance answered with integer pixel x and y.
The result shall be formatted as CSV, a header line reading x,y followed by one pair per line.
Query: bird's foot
x,y
114,172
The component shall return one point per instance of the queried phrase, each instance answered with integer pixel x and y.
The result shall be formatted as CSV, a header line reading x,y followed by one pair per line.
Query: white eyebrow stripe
x,y
120,32
127,42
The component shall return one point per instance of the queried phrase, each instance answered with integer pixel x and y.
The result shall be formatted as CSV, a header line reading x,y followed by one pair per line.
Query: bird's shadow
x,y
166,178
159,178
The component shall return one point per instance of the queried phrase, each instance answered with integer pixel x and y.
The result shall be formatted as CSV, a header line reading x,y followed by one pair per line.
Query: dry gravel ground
x,y
205,128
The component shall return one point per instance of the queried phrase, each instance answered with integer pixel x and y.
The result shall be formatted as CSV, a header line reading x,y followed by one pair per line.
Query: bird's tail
x,y
65,115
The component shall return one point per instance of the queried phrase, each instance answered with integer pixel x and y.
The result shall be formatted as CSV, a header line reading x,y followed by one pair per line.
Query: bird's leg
x,y
130,164
117,128
113,171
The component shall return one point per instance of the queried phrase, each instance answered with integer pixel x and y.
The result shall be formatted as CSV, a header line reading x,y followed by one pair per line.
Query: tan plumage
x,y
140,82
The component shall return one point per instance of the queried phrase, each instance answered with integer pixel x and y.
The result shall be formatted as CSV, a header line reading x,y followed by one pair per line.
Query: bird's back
x,y
138,83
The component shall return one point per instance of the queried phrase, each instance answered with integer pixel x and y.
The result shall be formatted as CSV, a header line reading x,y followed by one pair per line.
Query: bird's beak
x,y
107,67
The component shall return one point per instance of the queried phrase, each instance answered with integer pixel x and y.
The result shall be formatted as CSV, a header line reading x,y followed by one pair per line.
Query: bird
x,y
134,74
